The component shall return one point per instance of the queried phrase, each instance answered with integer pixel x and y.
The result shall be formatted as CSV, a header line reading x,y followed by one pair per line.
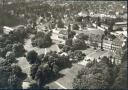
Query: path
x,y
65,82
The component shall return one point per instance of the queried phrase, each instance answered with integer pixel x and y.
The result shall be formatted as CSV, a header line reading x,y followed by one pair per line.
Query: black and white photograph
x,y
63,44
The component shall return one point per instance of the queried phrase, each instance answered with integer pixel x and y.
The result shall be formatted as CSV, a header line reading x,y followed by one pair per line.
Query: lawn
x,y
67,79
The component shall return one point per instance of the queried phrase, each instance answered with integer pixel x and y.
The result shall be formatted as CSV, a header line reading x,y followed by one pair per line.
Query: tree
x,y
60,46
42,74
16,77
75,27
82,36
60,24
18,49
98,21
4,73
121,79
14,82
90,82
95,45
16,70
66,48
105,32
71,34
33,85
55,69
76,55
3,52
11,76
10,57
33,69
96,75
9,47
79,19
32,57
111,24
1,30
42,40
68,42
79,44
102,38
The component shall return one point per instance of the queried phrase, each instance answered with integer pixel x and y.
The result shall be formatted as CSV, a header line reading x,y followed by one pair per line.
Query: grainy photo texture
x,y
63,44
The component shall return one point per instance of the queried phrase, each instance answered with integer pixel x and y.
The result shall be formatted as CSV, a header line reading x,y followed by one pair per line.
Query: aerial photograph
x,y
63,44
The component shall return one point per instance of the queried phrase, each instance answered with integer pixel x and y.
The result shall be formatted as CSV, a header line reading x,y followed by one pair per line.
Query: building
x,y
118,25
6,29
116,44
105,26
83,13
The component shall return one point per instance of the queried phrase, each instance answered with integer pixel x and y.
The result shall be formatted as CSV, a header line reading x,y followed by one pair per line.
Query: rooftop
x,y
120,23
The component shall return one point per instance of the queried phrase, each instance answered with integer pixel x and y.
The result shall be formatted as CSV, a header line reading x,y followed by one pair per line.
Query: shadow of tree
x,y
55,77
